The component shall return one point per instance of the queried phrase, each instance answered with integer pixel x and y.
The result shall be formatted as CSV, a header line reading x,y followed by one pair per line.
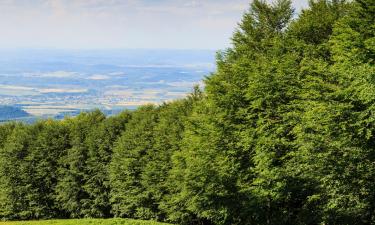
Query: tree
x,y
47,147
70,192
129,198
333,136
100,143
230,169
15,175
169,133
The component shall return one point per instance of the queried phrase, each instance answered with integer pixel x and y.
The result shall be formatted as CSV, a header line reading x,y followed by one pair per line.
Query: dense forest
x,y
283,133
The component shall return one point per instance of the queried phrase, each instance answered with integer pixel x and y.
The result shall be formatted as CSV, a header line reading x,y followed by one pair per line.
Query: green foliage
x,y
130,157
315,24
71,195
229,168
5,131
86,221
282,134
142,159
100,142
48,146
15,190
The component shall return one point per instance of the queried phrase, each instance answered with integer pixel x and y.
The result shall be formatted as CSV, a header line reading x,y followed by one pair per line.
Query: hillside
x,y
11,112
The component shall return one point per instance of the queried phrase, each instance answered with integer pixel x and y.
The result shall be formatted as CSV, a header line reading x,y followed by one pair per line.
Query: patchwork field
x,y
51,83
85,222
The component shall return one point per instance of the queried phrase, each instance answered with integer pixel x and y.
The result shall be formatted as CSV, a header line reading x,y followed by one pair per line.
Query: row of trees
x,y
90,165
282,134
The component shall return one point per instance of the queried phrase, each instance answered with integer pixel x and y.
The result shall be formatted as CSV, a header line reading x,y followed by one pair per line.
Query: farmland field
x,y
85,221
59,83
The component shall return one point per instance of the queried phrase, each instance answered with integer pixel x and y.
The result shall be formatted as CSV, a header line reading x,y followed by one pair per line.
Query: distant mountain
x,y
11,112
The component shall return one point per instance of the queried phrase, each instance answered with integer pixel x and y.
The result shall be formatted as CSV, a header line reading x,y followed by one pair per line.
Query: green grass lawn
x,y
85,222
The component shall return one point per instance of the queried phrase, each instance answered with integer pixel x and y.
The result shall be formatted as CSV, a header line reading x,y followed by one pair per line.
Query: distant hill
x,y
12,112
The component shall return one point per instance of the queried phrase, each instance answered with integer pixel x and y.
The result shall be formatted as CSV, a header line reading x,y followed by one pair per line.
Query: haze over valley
x,y
56,83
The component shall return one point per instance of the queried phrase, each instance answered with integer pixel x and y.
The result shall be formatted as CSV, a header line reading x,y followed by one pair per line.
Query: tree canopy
x,y
283,133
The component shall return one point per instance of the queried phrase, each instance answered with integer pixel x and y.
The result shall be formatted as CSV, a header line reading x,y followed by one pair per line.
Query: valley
x,y
59,83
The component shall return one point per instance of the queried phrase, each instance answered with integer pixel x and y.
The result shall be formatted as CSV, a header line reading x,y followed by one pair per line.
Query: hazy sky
x,y
182,24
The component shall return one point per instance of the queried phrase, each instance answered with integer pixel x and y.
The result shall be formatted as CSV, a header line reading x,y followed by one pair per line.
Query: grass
x,y
84,222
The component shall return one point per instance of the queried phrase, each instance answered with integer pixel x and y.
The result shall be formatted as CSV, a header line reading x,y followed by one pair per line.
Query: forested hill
x,y
284,133
10,112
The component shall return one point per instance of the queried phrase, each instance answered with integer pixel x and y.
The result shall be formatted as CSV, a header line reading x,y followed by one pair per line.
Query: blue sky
x,y
101,24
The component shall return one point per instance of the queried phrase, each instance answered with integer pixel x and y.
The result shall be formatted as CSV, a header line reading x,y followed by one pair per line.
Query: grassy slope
x,y
85,222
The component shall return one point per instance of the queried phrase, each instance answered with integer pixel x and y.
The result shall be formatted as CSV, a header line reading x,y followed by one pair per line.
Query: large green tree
x,y
100,143
129,196
282,134
337,130
73,175
48,146
230,168
16,193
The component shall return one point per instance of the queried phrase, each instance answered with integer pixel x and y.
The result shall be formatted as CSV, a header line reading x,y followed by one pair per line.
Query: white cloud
x,y
98,77
60,74
120,23
193,4
61,90
13,90
117,74
20,88
55,74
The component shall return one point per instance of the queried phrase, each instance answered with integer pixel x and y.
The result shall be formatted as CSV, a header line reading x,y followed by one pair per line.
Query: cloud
x,y
55,74
206,24
13,90
61,90
193,4
60,74
98,77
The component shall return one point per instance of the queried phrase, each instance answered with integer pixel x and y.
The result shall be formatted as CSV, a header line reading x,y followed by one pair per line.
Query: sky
x,y
113,24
